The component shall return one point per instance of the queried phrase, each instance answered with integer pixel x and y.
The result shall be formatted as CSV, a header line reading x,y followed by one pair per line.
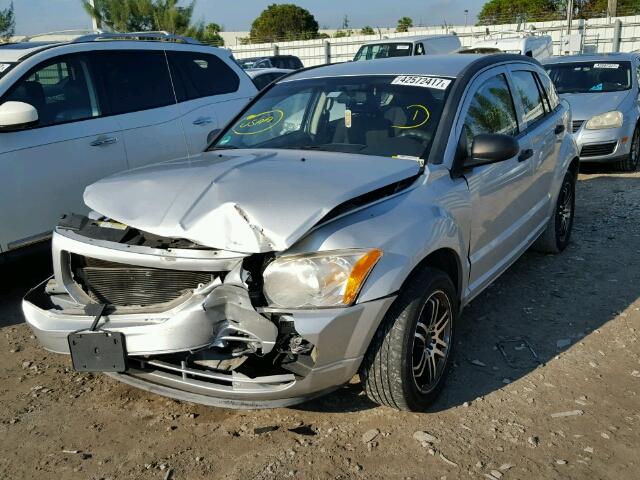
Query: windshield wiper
x,y
224,147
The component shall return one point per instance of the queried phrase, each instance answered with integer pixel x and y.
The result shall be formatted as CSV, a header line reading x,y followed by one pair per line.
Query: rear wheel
x,y
557,234
630,162
409,358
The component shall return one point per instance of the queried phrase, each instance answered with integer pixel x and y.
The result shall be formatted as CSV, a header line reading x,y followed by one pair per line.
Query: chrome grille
x,y
575,126
124,285
598,150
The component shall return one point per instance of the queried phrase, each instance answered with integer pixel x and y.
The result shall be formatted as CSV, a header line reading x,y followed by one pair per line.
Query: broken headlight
x,y
324,279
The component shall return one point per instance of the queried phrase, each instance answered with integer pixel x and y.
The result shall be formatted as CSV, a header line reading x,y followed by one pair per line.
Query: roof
x,y
13,52
607,57
437,65
415,38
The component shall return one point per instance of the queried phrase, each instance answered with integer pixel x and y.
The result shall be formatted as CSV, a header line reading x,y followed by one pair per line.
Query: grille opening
x,y
576,125
598,150
123,285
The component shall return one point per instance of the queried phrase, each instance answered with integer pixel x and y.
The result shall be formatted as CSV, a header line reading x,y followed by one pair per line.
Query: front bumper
x,y
341,337
607,145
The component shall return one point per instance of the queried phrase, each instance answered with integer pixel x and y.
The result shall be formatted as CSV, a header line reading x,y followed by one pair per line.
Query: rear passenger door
x,y
209,92
138,92
538,121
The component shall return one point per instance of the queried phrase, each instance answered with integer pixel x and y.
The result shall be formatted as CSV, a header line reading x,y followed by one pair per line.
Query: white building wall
x,y
597,36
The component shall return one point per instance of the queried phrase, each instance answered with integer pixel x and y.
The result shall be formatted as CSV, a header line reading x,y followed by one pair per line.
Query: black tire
x,y
388,370
630,162
557,234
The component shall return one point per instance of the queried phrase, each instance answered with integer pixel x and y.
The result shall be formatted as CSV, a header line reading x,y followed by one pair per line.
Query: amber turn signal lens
x,y
359,274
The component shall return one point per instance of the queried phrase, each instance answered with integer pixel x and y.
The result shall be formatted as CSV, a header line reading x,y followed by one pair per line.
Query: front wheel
x,y
630,162
557,234
410,356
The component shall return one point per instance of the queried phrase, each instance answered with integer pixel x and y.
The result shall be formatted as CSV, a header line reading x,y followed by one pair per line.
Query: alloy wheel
x,y
431,342
564,212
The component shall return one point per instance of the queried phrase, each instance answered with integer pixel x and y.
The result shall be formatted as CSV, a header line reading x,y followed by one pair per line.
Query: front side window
x,y
419,50
383,50
135,80
61,91
491,110
197,75
590,77
530,98
371,115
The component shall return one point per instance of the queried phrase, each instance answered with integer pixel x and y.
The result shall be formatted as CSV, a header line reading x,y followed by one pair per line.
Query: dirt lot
x,y
574,415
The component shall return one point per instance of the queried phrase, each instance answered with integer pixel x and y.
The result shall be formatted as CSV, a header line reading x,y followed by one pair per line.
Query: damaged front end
x,y
193,320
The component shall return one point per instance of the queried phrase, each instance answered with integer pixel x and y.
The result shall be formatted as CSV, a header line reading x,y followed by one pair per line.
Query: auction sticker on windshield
x,y
420,81
606,65
258,122
4,66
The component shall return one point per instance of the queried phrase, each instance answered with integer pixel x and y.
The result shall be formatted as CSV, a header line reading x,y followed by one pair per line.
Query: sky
x,y
38,16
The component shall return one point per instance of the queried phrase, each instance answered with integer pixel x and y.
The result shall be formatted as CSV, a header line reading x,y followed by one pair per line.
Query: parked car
x,y
522,43
74,112
407,46
264,76
289,62
337,225
604,95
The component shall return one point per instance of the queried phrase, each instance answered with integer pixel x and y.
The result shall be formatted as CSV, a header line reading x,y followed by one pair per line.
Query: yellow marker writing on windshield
x,y
258,122
420,116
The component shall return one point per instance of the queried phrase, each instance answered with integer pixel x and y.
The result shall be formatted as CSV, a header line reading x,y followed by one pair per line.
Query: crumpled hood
x,y
245,201
586,105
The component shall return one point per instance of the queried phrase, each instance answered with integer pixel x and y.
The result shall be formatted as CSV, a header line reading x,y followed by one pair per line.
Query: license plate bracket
x,y
98,351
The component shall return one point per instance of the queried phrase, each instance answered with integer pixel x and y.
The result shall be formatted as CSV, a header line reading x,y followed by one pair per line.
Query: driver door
x,y
498,218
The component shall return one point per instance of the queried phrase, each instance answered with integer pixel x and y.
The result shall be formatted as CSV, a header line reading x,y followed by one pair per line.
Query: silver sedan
x,y
604,95
337,226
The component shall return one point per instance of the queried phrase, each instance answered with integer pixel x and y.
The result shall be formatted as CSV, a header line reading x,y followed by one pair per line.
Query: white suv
x,y
74,112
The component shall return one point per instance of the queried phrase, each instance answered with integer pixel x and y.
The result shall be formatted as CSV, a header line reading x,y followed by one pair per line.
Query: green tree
x,y
511,11
152,15
367,30
7,22
404,24
283,22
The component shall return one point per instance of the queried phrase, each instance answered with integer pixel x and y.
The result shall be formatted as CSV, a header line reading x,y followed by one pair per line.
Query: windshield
x,y
4,68
371,115
588,77
383,50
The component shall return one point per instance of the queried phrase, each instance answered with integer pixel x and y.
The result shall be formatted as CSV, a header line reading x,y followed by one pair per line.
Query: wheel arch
x,y
446,260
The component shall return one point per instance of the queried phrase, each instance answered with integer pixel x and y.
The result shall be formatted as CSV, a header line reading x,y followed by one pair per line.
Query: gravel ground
x,y
546,385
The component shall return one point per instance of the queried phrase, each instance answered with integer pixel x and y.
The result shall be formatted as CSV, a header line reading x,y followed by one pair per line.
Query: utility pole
x,y
569,15
94,20
612,8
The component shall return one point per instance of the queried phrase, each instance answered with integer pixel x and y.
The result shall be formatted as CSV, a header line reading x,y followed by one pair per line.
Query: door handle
x,y
559,129
102,141
525,155
203,121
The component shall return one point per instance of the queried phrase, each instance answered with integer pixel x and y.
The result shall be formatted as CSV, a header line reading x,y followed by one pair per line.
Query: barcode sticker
x,y
419,81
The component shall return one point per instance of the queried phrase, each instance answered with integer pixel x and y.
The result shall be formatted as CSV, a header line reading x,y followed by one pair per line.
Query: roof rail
x,y
156,36
79,32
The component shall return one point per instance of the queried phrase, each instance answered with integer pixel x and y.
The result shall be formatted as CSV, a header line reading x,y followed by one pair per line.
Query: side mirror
x,y
491,148
17,116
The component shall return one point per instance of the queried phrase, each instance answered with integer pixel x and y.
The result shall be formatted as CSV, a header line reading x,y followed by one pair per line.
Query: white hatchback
x,y
74,112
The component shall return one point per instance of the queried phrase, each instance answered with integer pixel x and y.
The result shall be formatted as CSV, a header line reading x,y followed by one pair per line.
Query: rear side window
x,y
550,90
197,75
262,81
529,94
291,63
135,80
491,110
61,90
